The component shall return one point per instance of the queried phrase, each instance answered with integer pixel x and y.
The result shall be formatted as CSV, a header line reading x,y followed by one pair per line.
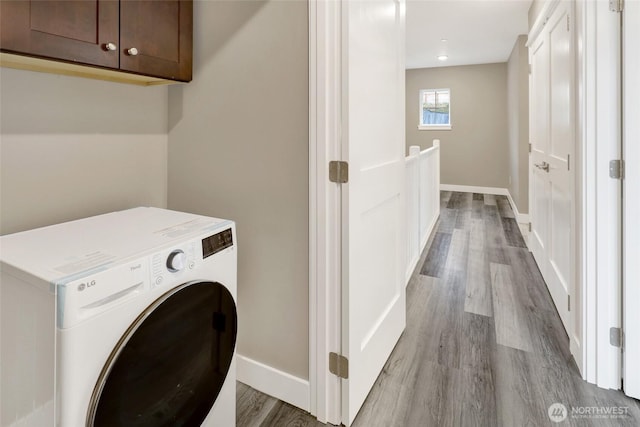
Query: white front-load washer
x,y
124,319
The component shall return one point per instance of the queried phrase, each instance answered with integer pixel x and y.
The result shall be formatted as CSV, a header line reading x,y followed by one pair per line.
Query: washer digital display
x,y
217,242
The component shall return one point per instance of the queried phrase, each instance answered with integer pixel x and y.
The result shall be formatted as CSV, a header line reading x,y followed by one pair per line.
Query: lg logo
x,y
82,286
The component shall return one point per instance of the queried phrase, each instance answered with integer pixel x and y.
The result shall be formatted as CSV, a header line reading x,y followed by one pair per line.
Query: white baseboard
x,y
425,238
520,217
473,189
274,382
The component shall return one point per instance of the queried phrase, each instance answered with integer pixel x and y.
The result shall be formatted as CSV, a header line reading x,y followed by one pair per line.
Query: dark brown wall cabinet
x,y
147,37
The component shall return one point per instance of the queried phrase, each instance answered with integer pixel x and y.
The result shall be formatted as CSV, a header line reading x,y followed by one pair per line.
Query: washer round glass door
x,y
169,367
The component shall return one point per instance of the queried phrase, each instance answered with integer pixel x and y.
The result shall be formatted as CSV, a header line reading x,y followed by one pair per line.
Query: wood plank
x,y
478,286
252,407
504,207
490,200
495,242
462,219
447,221
511,323
460,200
478,339
476,209
458,252
437,255
284,414
444,198
512,233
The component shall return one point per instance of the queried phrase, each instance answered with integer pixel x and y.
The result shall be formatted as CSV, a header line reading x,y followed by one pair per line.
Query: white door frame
x,y
631,184
325,236
599,197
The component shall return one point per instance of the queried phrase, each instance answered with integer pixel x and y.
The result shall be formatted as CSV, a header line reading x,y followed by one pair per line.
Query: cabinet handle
x,y
132,51
110,46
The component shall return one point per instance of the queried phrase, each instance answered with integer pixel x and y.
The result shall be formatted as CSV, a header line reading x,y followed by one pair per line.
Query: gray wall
x,y
475,151
73,147
518,123
238,148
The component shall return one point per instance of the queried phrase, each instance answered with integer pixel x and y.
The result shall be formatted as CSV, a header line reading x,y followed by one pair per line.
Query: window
x,y
435,109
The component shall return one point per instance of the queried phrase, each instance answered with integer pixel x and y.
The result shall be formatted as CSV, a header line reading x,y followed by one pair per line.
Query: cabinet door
x,y
156,38
71,30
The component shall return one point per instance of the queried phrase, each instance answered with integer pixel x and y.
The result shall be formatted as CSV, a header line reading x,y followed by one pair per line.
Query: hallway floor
x,y
483,346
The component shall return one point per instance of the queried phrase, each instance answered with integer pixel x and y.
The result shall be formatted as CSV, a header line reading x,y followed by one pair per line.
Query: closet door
x,y
551,171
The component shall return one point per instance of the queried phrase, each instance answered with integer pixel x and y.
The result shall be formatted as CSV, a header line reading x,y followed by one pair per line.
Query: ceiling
x,y
477,31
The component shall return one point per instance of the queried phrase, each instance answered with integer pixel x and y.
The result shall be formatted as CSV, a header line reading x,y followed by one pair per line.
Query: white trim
x,y
313,211
585,356
608,193
541,20
325,98
474,189
273,382
520,217
434,127
631,228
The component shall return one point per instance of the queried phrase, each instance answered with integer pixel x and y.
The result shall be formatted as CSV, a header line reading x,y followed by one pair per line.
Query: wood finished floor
x,y
483,345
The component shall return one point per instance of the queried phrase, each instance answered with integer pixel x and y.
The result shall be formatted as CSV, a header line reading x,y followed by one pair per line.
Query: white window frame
x,y
436,126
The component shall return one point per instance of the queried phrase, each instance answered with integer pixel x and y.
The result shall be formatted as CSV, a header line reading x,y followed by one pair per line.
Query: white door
x,y
552,139
631,188
373,292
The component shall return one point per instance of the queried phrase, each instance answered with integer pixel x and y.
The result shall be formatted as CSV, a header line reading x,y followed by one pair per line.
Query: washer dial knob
x,y
176,261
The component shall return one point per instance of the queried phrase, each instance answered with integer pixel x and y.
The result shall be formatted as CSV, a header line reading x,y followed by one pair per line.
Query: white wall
x,y
73,147
238,149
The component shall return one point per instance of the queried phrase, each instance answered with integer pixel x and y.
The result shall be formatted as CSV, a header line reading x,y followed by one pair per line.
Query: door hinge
x,y
568,162
339,365
529,227
568,302
338,171
529,147
529,68
616,5
616,169
616,337
568,22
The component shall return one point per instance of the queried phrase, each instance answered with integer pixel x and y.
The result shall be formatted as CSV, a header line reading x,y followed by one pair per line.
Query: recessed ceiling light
x,y
443,57
443,40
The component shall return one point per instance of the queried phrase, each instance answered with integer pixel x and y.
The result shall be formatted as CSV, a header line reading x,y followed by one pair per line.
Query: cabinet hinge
x,y
568,22
568,302
616,169
616,337
568,162
338,171
339,365
616,5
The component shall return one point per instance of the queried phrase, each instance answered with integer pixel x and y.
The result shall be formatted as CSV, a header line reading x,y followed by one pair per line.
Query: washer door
x,y
170,365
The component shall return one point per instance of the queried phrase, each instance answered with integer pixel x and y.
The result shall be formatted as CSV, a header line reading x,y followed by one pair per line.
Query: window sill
x,y
445,127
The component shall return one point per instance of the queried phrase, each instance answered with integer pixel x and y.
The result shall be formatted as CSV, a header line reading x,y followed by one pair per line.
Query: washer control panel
x,y
171,262
176,261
